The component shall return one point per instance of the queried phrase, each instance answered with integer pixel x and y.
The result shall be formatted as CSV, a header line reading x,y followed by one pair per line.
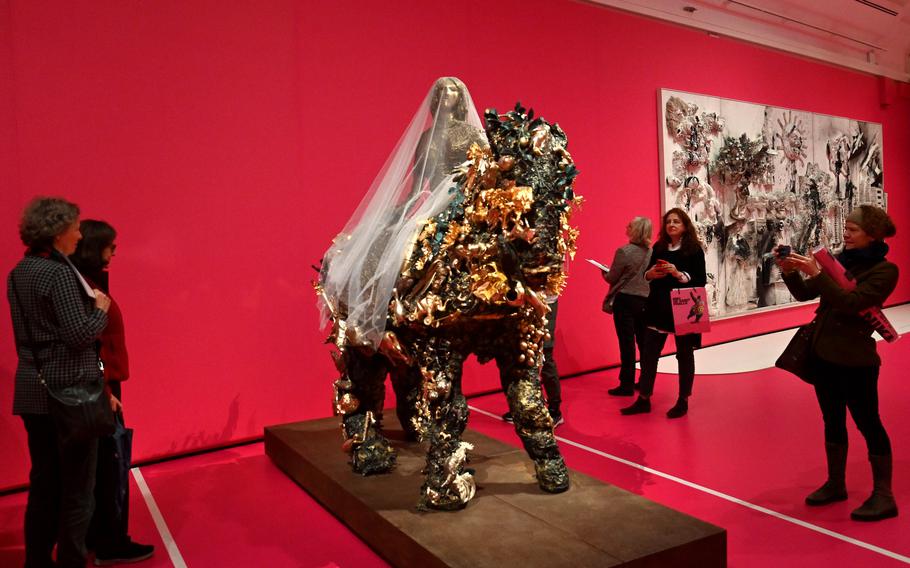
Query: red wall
x,y
229,142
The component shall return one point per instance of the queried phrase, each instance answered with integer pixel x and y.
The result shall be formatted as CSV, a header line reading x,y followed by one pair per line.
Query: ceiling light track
x,y
807,25
878,7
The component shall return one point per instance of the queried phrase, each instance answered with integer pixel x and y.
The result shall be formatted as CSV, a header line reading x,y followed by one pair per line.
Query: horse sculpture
x,y
474,279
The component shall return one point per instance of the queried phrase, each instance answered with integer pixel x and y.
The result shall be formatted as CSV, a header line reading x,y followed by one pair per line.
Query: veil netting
x,y
362,266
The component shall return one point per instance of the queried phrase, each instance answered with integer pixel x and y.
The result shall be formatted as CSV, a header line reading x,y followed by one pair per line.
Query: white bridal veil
x,y
361,267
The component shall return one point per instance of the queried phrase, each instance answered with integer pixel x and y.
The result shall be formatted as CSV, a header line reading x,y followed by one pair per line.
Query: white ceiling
x,y
867,35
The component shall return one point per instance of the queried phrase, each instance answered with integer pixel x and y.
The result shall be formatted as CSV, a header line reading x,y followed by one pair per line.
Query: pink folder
x,y
844,279
690,310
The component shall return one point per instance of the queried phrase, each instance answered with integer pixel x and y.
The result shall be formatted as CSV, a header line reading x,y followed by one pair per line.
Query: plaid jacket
x,y
64,326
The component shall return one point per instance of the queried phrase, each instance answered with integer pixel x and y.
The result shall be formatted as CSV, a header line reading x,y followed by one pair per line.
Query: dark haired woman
x,y
846,362
56,319
109,528
678,261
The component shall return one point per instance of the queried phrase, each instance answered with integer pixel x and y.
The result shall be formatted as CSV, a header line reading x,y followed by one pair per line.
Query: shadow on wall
x,y
201,440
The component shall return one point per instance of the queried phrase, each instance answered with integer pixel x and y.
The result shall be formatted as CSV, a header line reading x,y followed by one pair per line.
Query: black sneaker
x,y
557,418
508,417
125,553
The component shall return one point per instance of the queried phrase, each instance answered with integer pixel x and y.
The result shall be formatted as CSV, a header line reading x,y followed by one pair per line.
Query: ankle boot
x,y
880,505
834,489
679,409
640,406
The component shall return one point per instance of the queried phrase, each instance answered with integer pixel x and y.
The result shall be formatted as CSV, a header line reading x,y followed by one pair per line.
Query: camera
x,y
783,251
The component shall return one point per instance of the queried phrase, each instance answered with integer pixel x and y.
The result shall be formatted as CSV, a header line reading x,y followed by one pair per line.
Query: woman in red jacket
x,y
109,529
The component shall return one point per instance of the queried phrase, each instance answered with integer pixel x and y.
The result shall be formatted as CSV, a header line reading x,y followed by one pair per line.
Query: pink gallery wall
x,y
229,142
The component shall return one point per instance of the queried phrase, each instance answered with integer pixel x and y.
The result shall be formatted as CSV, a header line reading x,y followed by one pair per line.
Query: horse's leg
x,y
445,414
406,384
370,450
532,420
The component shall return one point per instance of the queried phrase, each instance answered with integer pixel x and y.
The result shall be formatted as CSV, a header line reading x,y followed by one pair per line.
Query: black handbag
x,y
80,412
797,356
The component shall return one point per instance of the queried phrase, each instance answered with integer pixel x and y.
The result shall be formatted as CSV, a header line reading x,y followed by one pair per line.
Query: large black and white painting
x,y
753,176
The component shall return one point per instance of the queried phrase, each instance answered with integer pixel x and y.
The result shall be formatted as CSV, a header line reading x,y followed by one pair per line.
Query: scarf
x,y
873,253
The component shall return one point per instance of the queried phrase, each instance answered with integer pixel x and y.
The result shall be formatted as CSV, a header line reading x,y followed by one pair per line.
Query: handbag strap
x,y
28,328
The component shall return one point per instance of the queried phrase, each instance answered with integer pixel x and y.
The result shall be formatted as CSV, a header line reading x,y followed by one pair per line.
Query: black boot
x,y
834,489
680,409
621,390
880,505
640,406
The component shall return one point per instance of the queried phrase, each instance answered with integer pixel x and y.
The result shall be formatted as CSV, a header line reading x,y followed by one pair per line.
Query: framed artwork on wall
x,y
753,176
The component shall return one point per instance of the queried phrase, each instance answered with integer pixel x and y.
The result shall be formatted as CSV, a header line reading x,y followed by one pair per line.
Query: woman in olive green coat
x,y
846,363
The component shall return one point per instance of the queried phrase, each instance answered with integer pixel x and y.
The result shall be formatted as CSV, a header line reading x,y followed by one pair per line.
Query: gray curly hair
x,y
43,219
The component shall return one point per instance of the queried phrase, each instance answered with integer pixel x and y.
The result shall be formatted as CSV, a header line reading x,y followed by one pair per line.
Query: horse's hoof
x,y
552,475
373,456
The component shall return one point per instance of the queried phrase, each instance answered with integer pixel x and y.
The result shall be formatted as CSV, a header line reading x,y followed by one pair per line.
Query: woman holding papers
x,y
678,261
627,299
844,353
108,533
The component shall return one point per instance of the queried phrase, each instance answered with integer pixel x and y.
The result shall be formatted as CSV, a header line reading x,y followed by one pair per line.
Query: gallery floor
x,y
749,450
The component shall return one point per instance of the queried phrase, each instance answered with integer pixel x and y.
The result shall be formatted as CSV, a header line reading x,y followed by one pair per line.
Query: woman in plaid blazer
x,y
56,318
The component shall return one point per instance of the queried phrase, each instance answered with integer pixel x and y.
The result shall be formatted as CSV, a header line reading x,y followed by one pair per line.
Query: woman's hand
x,y
671,270
662,269
102,300
655,272
794,261
116,405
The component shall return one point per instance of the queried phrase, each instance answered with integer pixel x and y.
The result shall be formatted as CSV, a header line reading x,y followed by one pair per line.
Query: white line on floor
x,y
730,498
169,544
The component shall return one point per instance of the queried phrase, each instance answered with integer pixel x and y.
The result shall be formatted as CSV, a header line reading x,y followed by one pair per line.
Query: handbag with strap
x,y
80,412
616,288
797,356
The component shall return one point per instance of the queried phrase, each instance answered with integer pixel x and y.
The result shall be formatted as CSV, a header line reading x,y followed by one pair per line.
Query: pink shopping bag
x,y
690,310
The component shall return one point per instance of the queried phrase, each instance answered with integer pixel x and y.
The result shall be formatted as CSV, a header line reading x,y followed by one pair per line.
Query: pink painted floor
x,y
755,437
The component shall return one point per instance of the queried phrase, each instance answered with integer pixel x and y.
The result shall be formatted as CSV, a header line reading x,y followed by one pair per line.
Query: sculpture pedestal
x,y
510,521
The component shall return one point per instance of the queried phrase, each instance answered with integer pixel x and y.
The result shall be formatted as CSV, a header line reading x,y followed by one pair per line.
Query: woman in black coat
x,y
108,532
845,360
678,261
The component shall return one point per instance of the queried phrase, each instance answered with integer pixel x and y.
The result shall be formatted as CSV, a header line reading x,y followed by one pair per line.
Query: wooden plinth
x,y
510,521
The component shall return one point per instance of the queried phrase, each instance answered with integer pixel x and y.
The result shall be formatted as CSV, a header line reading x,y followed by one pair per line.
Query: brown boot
x,y
880,505
834,489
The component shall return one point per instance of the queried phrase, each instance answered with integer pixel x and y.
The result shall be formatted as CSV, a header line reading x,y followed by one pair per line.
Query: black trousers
x,y
628,318
549,374
110,522
839,389
652,345
60,501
